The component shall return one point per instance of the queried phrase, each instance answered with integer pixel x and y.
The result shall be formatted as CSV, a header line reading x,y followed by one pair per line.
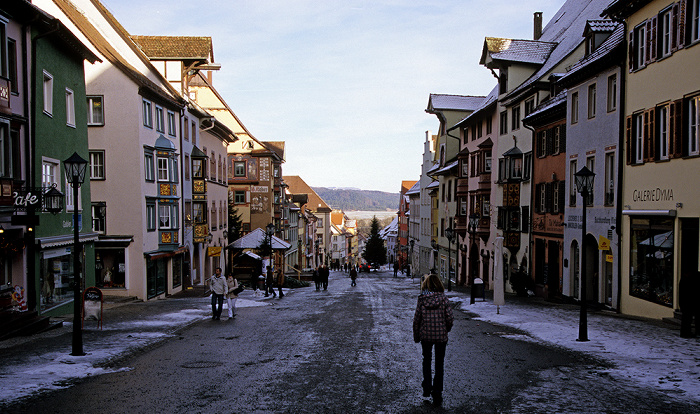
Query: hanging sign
x,y
603,243
609,258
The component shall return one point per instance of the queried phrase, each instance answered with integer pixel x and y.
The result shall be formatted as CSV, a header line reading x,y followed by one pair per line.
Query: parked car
x,y
364,267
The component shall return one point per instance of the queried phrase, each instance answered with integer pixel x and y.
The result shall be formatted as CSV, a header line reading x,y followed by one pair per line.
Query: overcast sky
x,y
344,83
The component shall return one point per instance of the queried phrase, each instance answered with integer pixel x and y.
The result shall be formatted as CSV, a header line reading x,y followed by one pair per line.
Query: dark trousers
x,y
433,384
217,300
352,282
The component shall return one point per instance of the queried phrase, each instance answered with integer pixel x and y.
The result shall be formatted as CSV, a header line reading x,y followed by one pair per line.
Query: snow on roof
x,y
453,102
490,99
517,50
611,43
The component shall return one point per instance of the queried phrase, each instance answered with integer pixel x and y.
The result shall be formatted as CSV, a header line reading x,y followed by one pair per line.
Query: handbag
x,y
238,290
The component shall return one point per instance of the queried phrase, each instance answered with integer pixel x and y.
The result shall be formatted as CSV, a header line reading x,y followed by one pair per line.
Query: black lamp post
x,y
473,224
584,185
75,167
449,233
434,245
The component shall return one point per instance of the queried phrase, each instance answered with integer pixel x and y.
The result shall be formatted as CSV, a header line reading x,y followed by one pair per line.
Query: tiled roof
x,y
518,50
611,43
299,186
485,103
546,105
597,26
565,28
415,189
175,47
454,102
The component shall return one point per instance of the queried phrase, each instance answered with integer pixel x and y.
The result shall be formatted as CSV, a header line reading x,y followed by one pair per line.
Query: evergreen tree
x,y
375,251
235,224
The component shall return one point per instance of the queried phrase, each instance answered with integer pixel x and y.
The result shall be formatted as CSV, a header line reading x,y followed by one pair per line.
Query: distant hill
x,y
353,199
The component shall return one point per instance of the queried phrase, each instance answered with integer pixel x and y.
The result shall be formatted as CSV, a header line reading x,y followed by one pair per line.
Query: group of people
x,y
223,288
320,277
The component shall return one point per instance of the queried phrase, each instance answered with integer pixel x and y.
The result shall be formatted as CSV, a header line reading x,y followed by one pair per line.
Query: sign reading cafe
x,y
656,194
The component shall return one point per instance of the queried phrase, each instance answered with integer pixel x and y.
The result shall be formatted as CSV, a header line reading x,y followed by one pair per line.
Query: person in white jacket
x,y
219,288
231,296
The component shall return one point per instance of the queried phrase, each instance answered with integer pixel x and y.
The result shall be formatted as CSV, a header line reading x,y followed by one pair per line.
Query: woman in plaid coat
x,y
431,323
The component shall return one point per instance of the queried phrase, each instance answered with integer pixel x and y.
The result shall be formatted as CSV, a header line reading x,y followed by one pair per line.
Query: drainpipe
x,y
620,163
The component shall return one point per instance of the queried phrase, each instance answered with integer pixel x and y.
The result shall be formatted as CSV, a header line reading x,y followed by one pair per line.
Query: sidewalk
x,y
644,350
43,361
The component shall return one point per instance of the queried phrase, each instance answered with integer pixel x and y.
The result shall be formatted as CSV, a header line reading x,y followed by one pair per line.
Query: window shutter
x,y
648,138
628,136
650,42
676,129
681,23
674,27
651,139
685,119
630,51
562,195
549,197
538,198
550,141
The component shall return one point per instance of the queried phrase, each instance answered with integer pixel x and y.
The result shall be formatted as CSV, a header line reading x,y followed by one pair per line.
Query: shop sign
x,y
214,251
609,258
259,189
23,200
653,195
603,243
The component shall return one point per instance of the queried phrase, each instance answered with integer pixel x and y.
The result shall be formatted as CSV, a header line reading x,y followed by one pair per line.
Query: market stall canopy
x,y
256,239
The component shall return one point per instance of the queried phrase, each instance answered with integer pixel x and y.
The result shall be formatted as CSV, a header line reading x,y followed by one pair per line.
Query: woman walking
x,y
231,296
431,323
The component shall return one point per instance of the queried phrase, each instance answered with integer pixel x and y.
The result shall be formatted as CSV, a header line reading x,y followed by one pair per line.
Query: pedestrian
x,y
396,268
353,276
280,281
689,289
317,277
219,288
270,286
324,276
231,296
431,323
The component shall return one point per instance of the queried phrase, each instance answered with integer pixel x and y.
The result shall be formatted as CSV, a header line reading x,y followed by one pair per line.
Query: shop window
x,y
56,278
651,259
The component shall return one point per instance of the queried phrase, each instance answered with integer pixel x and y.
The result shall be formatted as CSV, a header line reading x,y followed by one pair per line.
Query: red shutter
x,y
562,138
630,51
674,27
628,138
549,199
649,135
538,198
562,195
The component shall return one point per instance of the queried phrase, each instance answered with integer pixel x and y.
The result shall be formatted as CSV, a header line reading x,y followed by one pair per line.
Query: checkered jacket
x,y
433,318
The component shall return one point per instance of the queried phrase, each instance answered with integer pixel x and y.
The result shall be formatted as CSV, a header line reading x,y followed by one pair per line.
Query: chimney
x,y
538,26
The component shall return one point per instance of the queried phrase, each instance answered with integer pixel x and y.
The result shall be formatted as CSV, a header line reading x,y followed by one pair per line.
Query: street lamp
x,y
75,167
449,233
434,245
473,224
584,185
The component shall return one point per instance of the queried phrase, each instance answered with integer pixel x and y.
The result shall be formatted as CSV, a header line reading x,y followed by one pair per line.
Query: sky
x,y
344,83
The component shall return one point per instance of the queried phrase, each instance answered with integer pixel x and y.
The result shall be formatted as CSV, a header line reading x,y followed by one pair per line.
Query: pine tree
x,y
375,251
235,224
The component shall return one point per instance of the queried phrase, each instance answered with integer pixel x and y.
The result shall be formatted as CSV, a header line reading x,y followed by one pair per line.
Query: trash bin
x,y
477,290
261,282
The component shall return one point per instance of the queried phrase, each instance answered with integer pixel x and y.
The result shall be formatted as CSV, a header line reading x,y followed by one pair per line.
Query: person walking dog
x,y
431,323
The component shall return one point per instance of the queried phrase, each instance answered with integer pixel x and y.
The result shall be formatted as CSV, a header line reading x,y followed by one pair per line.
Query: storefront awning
x,y
114,241
669,213
65,240
159,254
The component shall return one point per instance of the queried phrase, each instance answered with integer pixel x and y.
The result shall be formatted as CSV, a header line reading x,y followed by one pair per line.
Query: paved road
x,y
348,350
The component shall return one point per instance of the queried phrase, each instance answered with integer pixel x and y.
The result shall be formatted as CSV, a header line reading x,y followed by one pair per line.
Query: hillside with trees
x,y
349,199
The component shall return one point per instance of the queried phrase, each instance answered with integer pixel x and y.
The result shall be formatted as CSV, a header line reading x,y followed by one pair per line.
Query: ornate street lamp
x,y
53,200
75,167
449,233
584,185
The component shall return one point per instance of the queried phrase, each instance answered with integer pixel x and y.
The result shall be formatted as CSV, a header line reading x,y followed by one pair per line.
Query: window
x,y
147,114
12,65
69,197
70,108
95,111
529,106
98,223
487,161
187,167
239,197
49,173
160,121
163,169
612,93
97,165
527,165
640,41
555,197
199,215
10,163
48,93
194,133
504,123
148,165
197,168
516,118
574,107
489,125
610,179
171,123
638,120
186,129
167,216
663,137
693,126
664,33
652,259
150,215
573,169
239,168
590,163
591,100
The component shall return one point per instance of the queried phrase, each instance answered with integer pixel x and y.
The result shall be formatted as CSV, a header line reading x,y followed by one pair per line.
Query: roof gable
x,y
176,47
